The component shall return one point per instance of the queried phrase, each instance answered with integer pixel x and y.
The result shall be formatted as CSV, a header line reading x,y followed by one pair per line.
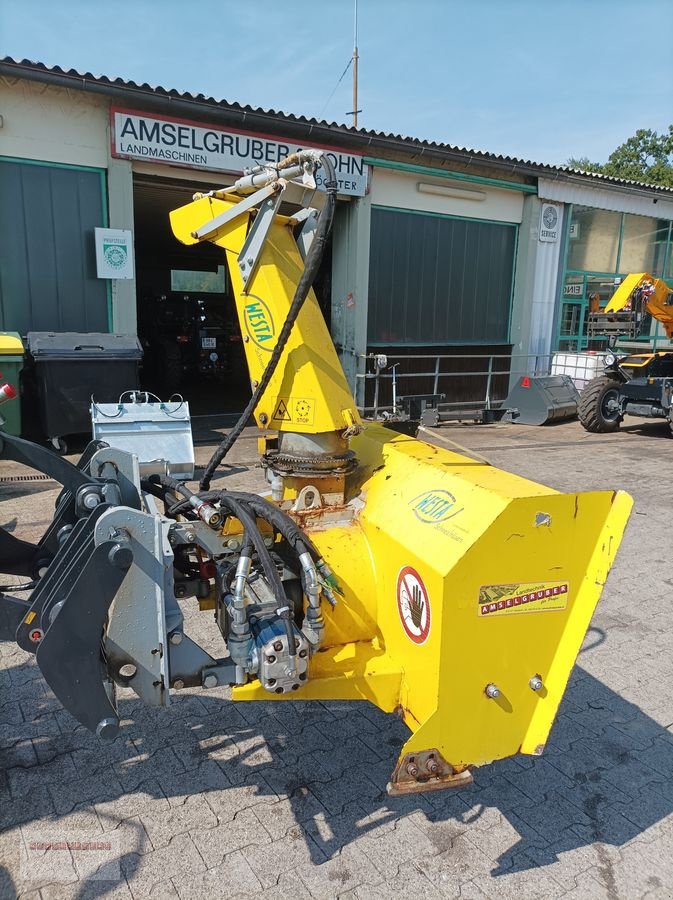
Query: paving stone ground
x,y
211,799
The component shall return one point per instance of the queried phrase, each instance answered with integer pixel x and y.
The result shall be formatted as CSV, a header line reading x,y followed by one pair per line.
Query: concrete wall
x,y
472,201
53,124
536,291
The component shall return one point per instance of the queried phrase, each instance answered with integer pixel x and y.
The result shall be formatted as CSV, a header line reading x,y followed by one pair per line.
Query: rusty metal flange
x,y
427,770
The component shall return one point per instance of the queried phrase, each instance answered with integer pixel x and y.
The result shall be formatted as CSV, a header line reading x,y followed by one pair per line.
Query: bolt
x,y
263,418
210,681
245,338
120,556
432,766
412,769
91,501
190,536
233,544
176,638
250,260
492,691
178,684
268,541
278,646
536,683
254,383
128,670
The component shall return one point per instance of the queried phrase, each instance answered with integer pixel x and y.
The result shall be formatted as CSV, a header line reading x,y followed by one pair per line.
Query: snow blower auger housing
x,y
377,567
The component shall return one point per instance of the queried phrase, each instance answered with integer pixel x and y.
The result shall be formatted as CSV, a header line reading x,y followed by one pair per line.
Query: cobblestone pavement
x,y
212,799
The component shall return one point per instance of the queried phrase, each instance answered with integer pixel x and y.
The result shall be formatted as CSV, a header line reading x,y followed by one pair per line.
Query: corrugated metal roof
x,y
364,139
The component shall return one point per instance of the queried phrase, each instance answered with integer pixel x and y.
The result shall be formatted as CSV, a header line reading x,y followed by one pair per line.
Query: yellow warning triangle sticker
x,y
282,412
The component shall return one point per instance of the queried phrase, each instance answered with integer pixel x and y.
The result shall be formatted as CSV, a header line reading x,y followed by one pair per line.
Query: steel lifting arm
x,y
657,298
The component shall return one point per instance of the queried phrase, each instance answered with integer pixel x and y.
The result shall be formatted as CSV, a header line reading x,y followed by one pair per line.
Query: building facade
x,y
435,249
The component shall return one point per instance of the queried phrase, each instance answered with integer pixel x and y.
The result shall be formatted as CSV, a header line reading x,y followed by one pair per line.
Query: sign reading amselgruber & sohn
x,y
193,145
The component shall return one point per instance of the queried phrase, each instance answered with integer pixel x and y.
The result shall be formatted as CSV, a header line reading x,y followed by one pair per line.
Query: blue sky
x,y
538,79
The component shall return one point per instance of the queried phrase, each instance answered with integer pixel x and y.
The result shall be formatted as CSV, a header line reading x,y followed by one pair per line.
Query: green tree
x,y
646,156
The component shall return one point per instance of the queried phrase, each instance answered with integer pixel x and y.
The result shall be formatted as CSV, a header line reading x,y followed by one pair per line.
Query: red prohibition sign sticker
x,y
413,604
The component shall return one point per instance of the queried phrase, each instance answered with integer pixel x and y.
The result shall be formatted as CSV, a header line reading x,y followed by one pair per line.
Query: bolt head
x,y
278,646
178,684
91,501
210,681
120,556
176,638
128,670
536,683
233,544
492,691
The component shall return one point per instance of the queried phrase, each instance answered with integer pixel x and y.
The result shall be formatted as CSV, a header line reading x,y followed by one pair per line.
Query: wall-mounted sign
x,y
114,253
573,290
176,142
550,220
574,231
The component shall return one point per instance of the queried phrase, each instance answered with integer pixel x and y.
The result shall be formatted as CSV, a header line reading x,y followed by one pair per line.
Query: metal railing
x,y
485,387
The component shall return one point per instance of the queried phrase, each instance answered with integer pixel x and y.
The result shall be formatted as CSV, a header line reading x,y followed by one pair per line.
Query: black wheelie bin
x,y
68,369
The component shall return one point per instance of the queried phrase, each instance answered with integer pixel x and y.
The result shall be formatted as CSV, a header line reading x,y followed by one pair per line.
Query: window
x,y
643,245
439,280
198,282
594,240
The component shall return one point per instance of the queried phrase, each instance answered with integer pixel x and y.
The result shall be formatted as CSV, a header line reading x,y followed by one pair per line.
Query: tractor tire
x,y
592,411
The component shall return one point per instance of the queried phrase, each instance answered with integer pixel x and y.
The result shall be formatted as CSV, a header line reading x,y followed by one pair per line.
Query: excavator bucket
x,y
467,594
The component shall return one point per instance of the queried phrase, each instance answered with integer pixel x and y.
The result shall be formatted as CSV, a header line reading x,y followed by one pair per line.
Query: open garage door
x,y
186,316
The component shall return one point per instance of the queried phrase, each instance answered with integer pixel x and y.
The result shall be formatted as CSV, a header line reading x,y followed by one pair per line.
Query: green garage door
x,y
439,280
47,256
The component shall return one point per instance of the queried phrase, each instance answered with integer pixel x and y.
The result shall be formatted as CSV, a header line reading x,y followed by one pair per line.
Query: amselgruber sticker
x,y
413,604
508,599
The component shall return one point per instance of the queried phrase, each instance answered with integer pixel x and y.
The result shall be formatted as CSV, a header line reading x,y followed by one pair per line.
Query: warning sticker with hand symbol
x,y
413,604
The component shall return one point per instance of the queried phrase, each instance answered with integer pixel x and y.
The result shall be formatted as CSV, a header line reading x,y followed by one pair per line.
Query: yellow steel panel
x,y
308,392
506,573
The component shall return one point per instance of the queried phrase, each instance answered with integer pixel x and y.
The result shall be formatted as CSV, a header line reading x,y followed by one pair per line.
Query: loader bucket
x,y
467,594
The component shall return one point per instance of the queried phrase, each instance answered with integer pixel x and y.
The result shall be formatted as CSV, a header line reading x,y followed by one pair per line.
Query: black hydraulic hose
x,y
311,265
262,508
247,519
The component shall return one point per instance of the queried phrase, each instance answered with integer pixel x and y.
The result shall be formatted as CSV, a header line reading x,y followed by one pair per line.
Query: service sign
x,y
176,142
550,218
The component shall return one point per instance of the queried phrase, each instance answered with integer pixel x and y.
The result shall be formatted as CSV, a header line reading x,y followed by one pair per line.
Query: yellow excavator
x,y
374,567
636,384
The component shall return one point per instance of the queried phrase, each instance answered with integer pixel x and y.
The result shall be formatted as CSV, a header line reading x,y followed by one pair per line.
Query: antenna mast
x,y
355,111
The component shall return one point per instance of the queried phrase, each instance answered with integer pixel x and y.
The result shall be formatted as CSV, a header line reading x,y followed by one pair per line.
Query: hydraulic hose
x,y
311,265
247,520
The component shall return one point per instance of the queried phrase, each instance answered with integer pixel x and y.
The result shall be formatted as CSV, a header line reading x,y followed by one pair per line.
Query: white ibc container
x,y
581,367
